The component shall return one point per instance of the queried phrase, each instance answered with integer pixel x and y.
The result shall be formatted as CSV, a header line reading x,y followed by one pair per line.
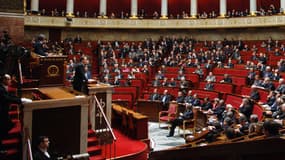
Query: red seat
x,y
169,115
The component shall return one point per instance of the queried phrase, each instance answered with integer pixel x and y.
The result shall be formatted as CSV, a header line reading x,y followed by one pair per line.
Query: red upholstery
x,y
220,87
124,97
131,89
258,110
169,115
204,93
263,93
232,72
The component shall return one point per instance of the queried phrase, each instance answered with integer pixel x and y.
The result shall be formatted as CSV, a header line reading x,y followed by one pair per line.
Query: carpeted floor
x,y
158,137
124,146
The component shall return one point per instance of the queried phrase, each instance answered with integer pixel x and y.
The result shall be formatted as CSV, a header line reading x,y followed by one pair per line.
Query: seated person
x,y
188,98
165,98
41,150
196,100
281,86
156,82
209,86
280,113
226,79
254,94
188,114
172,83
271,129
253,120
199,71
39,46
243,126
218,109
116,81
210,77
246,107
267,84
180,75
183,83
164,82
154,96
180,97
207,104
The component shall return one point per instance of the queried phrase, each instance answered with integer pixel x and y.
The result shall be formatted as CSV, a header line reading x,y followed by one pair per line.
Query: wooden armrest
x,y
162,112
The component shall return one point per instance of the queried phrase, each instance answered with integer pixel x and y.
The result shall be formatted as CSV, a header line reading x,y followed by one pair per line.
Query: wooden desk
x,y
149,108
61,114
141,121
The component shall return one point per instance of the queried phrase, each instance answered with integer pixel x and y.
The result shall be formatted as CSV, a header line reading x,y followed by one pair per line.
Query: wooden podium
x,y
104,94
50,71
59,113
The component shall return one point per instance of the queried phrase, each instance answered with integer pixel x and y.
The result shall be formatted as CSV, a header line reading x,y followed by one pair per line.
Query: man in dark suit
x,y
165,99
154,96
246,107
5,100
41,150
80,81
209,86
38,46
188,114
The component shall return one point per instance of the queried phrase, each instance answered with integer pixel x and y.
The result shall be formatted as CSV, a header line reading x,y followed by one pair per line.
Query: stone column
x,y
103,8
282,6
193,10
223,8
35,6
69,7
164,8
252,7
134,8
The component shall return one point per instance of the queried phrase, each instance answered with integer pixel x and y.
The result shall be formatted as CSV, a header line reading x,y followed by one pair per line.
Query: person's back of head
x,y
271,128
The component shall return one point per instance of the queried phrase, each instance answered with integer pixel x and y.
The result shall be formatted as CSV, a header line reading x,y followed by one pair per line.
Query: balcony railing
x,y
242,22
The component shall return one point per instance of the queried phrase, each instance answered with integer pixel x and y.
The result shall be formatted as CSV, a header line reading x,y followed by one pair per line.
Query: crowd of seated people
x,y
126,60
262,11
203,57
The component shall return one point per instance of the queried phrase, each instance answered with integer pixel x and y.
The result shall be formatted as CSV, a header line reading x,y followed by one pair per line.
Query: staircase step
x,y
92,141
98,157
12,154
94,150
91,133
14,114
14,142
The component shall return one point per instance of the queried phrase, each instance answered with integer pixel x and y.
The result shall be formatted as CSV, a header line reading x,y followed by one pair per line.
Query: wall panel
x,y
176,7
208,6
150,6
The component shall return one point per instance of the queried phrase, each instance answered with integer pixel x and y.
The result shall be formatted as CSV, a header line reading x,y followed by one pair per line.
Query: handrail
x,y
28,141
105,118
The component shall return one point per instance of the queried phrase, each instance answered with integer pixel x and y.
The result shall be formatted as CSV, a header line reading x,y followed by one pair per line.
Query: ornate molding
x,y
244,22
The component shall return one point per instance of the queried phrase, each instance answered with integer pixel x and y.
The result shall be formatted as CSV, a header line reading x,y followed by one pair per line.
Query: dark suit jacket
x,y
80,81
207,106
255,95
165,99
246,110
209,86
39,49
154,97
39,155
5,100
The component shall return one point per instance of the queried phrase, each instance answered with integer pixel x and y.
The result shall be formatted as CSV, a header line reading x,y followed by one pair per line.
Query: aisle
x,y
159,139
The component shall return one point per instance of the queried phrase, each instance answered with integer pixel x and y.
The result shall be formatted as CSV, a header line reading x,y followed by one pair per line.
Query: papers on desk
x,y
91,80
80,96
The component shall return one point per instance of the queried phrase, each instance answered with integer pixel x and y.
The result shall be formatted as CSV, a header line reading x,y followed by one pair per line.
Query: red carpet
x,y
127,148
